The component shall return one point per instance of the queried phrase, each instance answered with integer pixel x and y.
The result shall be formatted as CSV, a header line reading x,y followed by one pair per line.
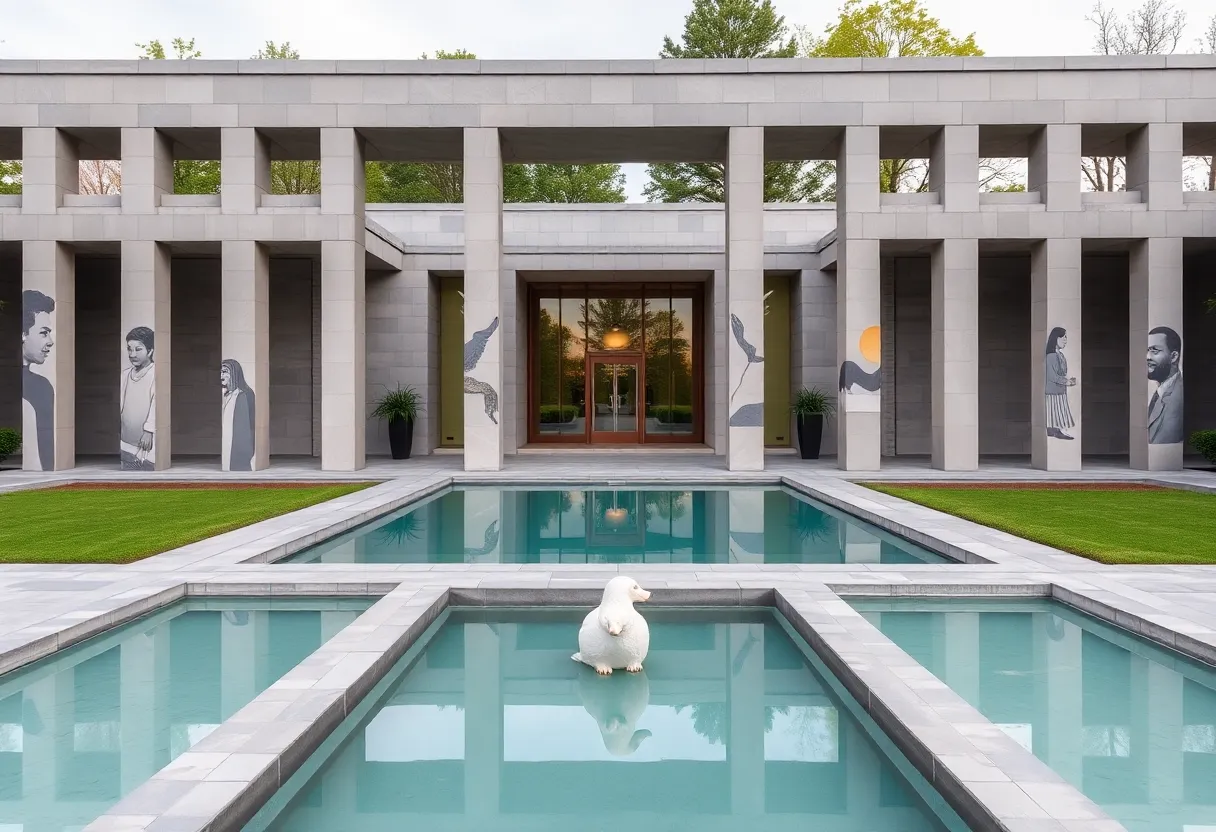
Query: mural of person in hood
x,y
239,413
856,380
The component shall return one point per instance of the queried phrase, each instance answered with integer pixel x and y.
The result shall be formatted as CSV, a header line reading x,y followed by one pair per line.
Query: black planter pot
x,y
810,435
401,437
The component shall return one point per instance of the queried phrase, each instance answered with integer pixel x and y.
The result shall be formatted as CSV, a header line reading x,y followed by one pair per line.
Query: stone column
x,y
858,305
343,304
244,169
147,169
483,526
955,355
238,658
244,372
858,545
954,166
1154,165
483,307
145,435
746,535
1055,355
49,169
745,299
48,356
1061,643
962,659
137,661
1157,355
1054,166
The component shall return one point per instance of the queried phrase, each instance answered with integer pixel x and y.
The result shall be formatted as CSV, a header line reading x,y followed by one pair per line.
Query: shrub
x,y
1204,441
556,414
10,442
671,414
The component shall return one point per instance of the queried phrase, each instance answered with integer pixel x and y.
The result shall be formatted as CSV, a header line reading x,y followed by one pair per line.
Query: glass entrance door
x,y
612,399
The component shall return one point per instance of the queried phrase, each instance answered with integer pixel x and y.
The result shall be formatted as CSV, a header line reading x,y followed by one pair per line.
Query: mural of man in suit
x,y
1165,368
37,392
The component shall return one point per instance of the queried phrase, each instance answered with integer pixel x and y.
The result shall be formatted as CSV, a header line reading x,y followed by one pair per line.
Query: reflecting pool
x,y
1130,724
82,728
599,525
492,727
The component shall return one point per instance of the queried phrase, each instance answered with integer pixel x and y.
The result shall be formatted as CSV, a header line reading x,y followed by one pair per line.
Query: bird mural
x,y
736,327
854,379
474,348
489,543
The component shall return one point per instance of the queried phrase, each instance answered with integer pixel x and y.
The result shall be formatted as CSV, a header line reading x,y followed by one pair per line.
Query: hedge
x,y
1204,441
10,442
553,414
675,414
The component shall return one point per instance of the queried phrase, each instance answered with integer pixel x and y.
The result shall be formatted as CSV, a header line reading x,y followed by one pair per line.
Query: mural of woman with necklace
x,y
1056,384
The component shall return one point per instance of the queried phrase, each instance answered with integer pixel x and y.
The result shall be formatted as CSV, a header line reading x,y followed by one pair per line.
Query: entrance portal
x,y
615,364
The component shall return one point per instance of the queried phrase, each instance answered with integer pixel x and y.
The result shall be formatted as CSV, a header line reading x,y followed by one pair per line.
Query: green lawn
x,y
120,525
1111,526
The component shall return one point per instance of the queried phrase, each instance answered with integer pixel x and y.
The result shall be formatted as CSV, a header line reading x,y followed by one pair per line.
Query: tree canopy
x,y
728,29
887,29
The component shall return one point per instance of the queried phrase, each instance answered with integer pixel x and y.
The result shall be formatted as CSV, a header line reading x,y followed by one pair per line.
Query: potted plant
x,y
811,406
400,409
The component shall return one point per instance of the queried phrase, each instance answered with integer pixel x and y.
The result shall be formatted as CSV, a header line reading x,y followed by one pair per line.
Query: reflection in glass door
x,y
613,405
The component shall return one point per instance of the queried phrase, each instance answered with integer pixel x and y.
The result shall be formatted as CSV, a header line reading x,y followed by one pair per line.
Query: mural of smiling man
x,y
1164,358
37,392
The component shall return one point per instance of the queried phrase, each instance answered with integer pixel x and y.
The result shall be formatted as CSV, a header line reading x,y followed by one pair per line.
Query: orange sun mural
x,y
853,379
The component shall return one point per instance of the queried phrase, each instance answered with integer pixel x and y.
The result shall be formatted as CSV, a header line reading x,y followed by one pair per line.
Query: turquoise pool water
x,y
490,726
1130,724
81,729
494,525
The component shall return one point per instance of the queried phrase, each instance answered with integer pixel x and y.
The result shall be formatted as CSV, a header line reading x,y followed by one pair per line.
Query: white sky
x,y
560,29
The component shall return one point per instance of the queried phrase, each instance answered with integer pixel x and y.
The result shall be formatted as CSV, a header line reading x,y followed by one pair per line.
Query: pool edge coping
x,y
220,783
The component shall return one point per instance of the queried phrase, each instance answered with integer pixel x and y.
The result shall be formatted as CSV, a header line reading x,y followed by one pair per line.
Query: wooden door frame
x,y
638,361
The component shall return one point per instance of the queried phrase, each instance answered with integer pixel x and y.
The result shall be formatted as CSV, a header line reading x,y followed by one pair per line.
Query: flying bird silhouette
x,y
736,326
476,346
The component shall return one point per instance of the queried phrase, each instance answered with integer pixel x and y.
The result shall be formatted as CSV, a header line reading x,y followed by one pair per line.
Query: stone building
x,y
1054,323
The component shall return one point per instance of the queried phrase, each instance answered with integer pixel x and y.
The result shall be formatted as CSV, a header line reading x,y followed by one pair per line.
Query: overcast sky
x,y
491,28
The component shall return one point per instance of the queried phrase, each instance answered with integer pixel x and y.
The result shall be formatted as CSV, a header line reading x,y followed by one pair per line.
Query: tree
x,y
727,29
289,176
10,177
100,177
1153,28
897,29
443,182
182,50
276,52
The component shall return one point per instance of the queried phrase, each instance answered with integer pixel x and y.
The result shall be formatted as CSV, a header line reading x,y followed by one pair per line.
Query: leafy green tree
x,y
443,182
727,29
289,176
276,52
897,29
10,177
182,50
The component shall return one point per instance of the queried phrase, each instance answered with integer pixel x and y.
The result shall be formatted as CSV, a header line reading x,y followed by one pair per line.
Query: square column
x,y
147,169
343,356
1156,349
956,355
48,356
483,304
244,169
1055,355
144,440
245,356
1054,166
954,167
1154,165
745,299
858,305
50,168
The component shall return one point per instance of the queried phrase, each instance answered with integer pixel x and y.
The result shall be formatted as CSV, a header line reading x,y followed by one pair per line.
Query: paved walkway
x,y
46,607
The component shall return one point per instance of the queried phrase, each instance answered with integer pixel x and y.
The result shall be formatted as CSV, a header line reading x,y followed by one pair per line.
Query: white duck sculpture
x,y
614,635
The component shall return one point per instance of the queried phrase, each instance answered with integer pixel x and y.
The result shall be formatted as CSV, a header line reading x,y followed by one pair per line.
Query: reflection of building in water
x,y
1132,726
81,730
741,525
492,722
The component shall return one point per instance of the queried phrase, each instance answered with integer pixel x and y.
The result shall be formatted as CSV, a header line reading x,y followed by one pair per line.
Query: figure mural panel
x,y
473,350
855,379
240,408
1165,408
1059,419
137,403
37,391
747,414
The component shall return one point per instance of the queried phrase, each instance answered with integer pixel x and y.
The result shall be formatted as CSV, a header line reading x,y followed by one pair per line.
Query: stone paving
x,y
985,776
